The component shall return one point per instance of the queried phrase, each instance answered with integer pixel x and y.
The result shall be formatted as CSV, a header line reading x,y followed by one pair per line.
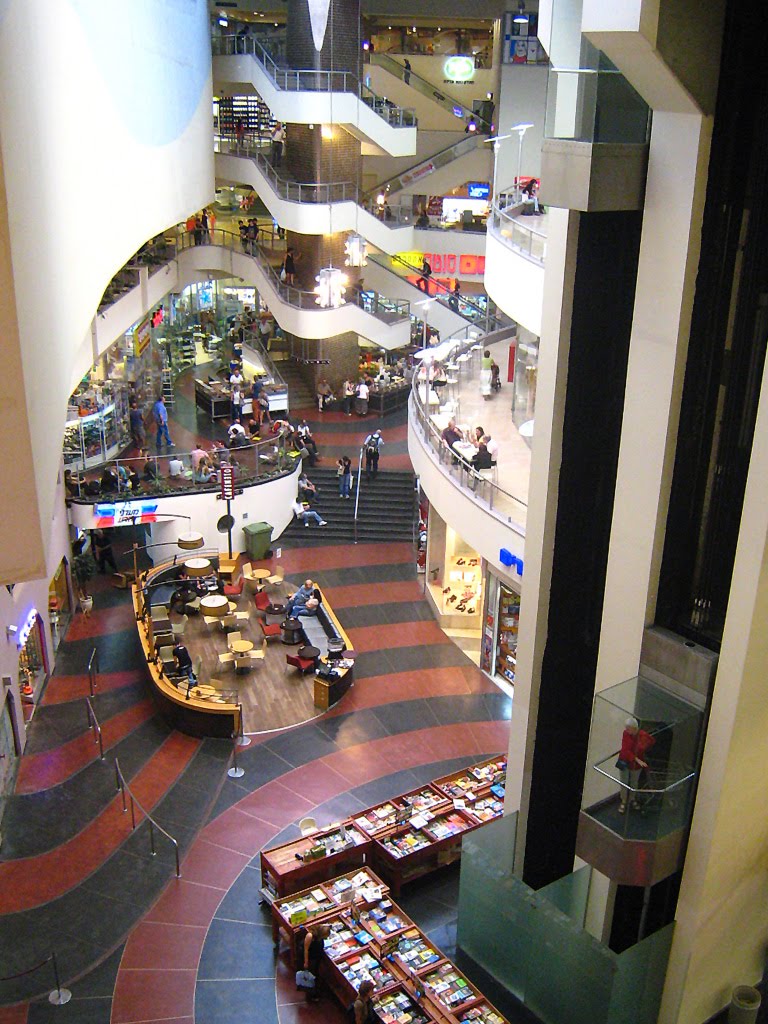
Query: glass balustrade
x,y
523,239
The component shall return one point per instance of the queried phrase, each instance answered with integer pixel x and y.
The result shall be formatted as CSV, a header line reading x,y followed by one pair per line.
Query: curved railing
x,y
479,485
255,463
299,80
505,226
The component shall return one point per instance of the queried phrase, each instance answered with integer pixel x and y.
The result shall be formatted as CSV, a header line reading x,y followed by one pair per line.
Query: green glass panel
x,y
639,981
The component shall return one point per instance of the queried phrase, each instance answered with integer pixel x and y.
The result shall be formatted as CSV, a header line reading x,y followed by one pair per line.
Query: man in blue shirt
x,y
300,598
161,419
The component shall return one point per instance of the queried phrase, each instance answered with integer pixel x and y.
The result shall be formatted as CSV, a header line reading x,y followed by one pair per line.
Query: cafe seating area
x,y
244,649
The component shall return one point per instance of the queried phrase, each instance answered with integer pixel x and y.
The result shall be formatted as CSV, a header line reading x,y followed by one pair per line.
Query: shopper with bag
x,y
314,941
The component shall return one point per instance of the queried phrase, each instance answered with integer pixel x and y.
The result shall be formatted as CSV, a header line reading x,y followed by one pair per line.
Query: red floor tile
x,y
186,902
359,594
100,622
32,881
64,688
400,634
163,946
153,996
212,865
240,832
340,556
315,782
276,804
41,771
14,1014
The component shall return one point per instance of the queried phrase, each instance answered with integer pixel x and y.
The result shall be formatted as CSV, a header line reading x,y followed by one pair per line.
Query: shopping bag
x,y
305,980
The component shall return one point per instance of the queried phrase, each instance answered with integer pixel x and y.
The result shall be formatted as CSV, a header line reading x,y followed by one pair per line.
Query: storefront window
x,y
498,652
32,660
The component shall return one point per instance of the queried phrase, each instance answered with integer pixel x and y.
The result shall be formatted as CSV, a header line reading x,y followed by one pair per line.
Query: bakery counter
x,y
385,398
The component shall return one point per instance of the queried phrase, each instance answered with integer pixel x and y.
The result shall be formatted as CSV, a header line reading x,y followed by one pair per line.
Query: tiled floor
x,y
134,943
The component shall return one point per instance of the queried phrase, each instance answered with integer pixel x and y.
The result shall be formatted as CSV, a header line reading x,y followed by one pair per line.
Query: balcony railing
x,y
523,239
479,485
298,80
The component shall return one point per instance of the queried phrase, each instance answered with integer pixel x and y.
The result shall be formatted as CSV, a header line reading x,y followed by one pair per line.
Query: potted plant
x,y
83,568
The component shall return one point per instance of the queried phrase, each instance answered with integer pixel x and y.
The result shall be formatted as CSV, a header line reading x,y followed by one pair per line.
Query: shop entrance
x,y
9,749
500,625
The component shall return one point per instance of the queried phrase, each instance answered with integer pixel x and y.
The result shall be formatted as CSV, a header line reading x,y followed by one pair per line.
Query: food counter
x,y
384,398
213,397
402,838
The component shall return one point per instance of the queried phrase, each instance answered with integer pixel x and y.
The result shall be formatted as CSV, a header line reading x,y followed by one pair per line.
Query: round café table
x,y
261,574
214,604
464,450
309,652
291,631
274,613
241,646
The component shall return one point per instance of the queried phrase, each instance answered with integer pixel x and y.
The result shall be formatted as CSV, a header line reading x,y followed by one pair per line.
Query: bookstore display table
x,y
371,938
401,839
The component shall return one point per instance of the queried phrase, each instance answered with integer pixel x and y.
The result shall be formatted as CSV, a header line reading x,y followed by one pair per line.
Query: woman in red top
x,y
634,744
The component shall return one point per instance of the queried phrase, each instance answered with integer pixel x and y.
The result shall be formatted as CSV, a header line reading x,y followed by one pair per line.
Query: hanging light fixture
x,y
521,18
330,288
356,249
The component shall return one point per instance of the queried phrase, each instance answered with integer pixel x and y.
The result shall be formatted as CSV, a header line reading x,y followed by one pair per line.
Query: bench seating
x,y
318,629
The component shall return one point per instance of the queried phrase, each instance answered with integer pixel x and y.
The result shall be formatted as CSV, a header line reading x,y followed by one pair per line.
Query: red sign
x,y
227,482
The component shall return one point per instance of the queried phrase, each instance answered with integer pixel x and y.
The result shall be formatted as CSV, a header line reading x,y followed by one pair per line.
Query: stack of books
x,y
377,818
366,967
414,951
307,906
450,987
398,1008
481,1014
447,825
407,842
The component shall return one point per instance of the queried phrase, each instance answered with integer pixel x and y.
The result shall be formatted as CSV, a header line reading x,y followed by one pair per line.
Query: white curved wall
x,y
96,122
269,502
515,284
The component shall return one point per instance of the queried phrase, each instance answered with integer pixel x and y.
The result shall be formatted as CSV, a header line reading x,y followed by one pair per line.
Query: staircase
x,y
299,393
387,509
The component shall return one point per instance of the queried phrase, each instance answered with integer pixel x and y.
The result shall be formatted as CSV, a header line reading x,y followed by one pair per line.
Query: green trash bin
x,y
258,537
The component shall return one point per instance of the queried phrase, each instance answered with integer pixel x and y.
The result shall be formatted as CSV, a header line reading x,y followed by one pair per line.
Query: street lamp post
x,y
521,129
496,141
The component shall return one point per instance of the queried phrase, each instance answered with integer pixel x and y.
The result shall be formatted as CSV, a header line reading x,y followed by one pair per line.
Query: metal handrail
x,y
121,784
357,489
504,226
425,88
309,80
468,479
253,341
93,723
248,474
442,158
93,671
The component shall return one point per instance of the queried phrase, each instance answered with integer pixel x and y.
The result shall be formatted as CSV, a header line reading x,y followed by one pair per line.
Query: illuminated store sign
x,y
125,512
463,264
511,561
26,629
459,69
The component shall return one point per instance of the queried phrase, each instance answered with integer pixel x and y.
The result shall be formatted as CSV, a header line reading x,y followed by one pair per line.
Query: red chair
x,y
262,600
272,632
234,589
304,665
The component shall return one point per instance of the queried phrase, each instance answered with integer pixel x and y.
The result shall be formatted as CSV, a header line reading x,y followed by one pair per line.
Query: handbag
x,y
283,275
622,765
305,980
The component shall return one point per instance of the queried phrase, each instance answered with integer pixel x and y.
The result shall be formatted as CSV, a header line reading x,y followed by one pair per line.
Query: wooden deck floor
x,y
273,694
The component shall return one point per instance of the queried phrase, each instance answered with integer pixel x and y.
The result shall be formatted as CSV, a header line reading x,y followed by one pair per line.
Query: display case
x,y
311,859
506,642
466,784
462,586
92,440
385,398
640,781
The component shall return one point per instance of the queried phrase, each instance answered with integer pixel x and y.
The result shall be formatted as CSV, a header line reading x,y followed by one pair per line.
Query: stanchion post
x,y
60,995
235,772
242,739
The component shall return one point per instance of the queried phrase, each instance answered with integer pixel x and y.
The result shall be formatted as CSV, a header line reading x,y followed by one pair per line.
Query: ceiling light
x,y
521,18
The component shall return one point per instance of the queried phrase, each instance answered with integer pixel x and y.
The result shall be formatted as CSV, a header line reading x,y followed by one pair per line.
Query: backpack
x,y
372,446
427,269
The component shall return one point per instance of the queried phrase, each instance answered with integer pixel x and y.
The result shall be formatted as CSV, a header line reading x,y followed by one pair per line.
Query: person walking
x,y
453,298
372,445
348,396
426,273
160,413
102,549
289,266
485,375
344,473
407,72
278,138
136,418
306,515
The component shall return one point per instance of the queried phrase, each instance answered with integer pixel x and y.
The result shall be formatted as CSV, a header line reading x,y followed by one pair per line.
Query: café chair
x,y
277,577
226,658
197,666
193,606
178,628
234,589
262,601
166,656
308,826
228,621
243,661
272,632
258,653
232,637
304,665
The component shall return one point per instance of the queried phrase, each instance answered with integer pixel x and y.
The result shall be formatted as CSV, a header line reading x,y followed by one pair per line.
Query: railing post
x,y
242,739
235,772
60,996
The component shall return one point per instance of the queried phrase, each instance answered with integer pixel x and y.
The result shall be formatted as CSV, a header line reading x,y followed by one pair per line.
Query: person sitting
x,y
302,595
150,467
197,454
235,434
109,480
451,434
482,458
493,448
305,515
310,608
307,490
306,435
324,394
204,472
175,467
